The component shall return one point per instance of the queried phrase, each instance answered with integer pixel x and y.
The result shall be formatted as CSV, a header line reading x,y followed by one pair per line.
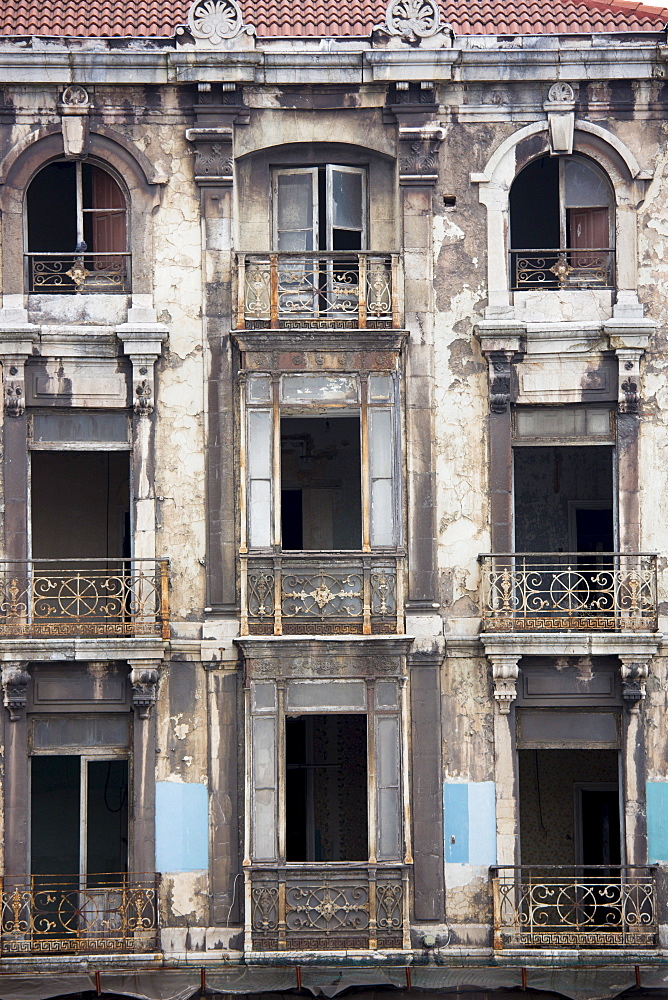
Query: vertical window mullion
x,y
80,225
364,462
562,203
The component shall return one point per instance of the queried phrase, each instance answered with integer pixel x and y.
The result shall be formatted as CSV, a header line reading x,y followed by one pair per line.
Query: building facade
x,y
333,468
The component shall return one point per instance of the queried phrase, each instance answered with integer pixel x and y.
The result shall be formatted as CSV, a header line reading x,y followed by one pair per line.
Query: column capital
x,y
15,680
505,671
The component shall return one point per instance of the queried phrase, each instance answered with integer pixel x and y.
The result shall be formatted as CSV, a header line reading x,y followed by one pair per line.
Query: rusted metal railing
x,y
566,907
60,914
342,289
77,272
569,591
569,268
335,907
84,597
323,593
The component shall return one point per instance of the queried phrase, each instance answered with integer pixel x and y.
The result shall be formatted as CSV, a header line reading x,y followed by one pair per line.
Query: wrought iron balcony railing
x,y
321,592
331,289
333,907
84,597
77,272
569,268
561,907
569,592
63,914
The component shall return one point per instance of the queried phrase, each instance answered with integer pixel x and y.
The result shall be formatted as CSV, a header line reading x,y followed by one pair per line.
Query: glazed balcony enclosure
x,y
79,914
569,592
560,907
322,289
47,598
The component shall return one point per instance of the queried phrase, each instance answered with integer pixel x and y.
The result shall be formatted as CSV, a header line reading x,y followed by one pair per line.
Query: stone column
x,y
212,139
634,670
502,344
142,343
15,349
16,783
418,157
224,711
144,675
504,675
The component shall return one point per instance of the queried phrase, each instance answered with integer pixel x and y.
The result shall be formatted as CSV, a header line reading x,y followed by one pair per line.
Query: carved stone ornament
x,y
213,154
74,107
628,396
500,382
14,399
421,159
75,97
561,93
217,21
15,680
634,677
143,404
144,680
413,19
505,672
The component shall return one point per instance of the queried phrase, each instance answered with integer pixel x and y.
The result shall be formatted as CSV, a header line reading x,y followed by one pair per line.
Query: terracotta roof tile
x,y
158,18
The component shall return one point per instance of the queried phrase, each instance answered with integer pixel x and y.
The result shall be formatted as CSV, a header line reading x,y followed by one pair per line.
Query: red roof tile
x,y
158,18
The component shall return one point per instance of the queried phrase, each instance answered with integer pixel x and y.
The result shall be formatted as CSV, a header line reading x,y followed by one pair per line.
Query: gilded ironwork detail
x,y
334,289
337,595
126,597
569,268
55,914
569,592
78,272
330,909
592,907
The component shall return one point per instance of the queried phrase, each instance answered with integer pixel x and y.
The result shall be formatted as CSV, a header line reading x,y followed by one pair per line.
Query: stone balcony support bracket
x,y
144,677
503,344
15,680
214,155
418,154
505,671
634,671
143,345
16,346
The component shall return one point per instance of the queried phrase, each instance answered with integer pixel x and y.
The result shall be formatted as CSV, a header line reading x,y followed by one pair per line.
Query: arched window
x,y
76,230
561,225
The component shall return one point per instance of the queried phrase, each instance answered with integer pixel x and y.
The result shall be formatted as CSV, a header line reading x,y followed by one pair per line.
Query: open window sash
x,y
345,193
295,231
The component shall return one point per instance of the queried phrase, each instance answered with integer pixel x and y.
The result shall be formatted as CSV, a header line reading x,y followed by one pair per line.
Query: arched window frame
x,y
628,182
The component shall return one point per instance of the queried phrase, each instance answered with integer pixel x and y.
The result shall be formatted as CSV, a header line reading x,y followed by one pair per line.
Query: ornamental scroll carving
x,y
413,22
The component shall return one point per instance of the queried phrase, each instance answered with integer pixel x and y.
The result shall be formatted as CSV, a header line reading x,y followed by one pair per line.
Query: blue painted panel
x,y
456,821
181,826
657,821
482,823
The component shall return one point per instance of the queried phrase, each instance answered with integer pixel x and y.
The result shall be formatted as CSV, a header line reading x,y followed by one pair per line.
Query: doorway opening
x,y
326,788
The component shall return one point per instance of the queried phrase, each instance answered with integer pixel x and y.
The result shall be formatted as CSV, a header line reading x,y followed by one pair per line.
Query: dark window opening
x,y
561,225
76,222
326,788
321,483
80,505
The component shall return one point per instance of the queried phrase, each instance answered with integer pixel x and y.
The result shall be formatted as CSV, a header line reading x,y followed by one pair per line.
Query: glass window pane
x,y
80,426
259,389
260,513
585,187
562,422
264,695
380,388
347,199
380,443
259,444
319,695
60,731
295,211
386,694
264,789
319,388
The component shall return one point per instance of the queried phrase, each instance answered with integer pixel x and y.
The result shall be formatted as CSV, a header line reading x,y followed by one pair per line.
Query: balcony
x,y
334,289
323,593
70,272
333,907
593,907
569,592
79,914
84,597
570,268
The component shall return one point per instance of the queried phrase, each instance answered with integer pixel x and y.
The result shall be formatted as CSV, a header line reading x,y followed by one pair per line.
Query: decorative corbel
x,y
14,387
628,378
213,154
634,673
504,345
144,681
560,109
418,153
15,680
74,108
505,671
143,345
